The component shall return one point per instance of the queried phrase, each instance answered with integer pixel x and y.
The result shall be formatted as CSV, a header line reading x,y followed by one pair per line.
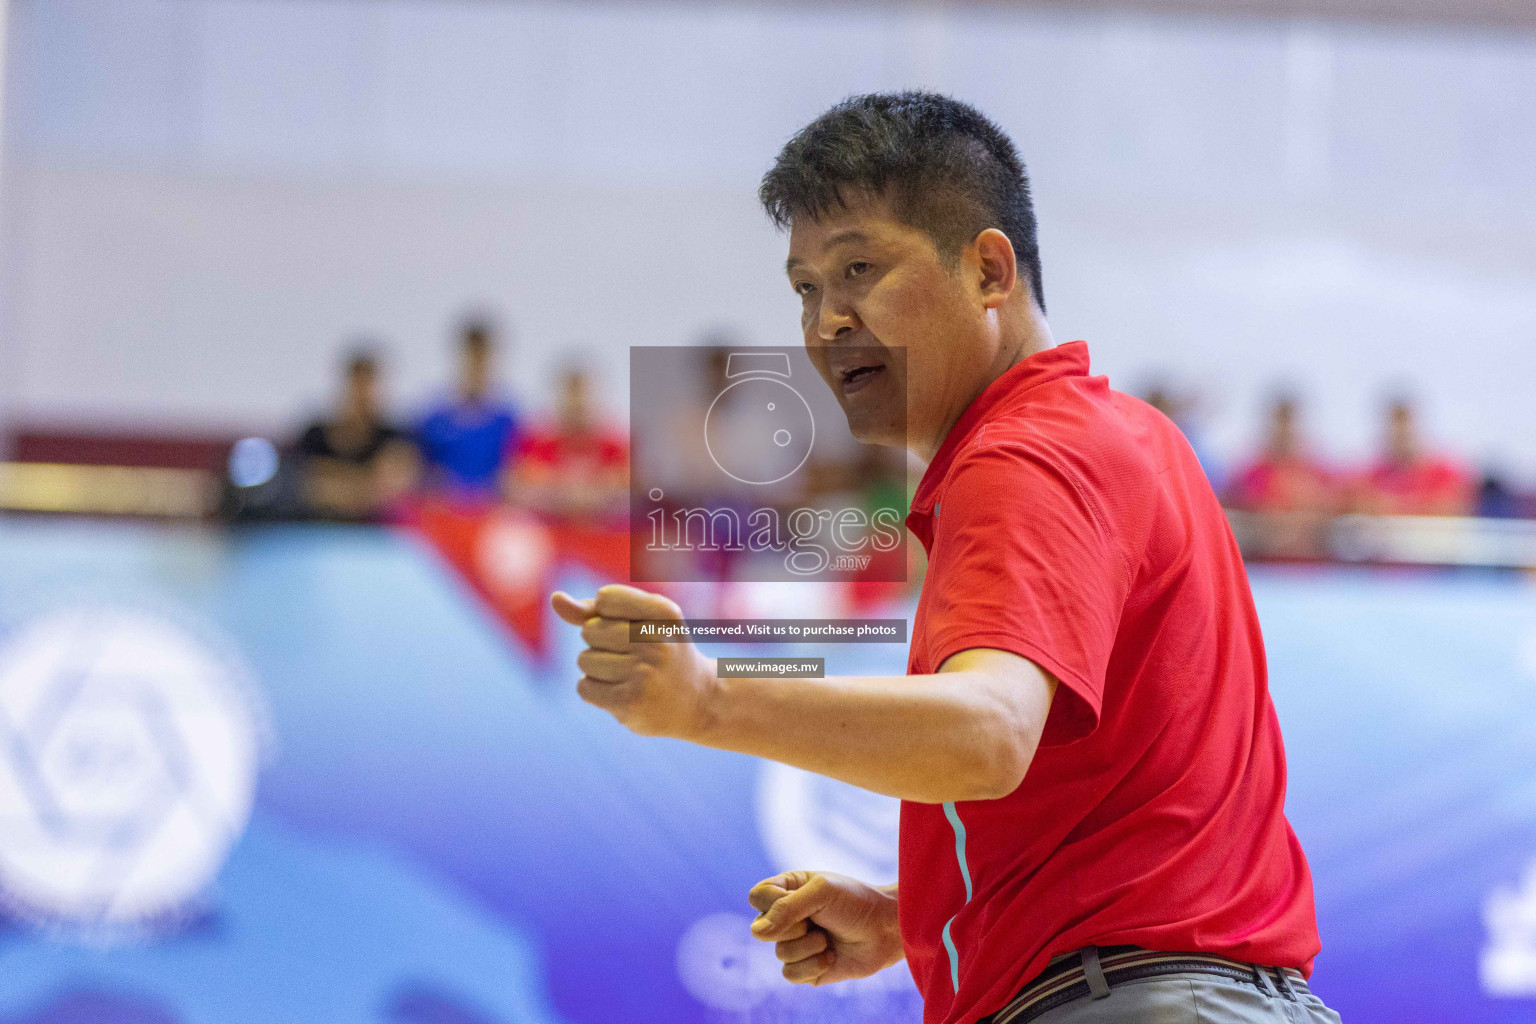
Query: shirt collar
x,y
1066,360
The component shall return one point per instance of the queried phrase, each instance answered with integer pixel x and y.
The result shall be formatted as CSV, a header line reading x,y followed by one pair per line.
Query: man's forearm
x,y
965,733
929,738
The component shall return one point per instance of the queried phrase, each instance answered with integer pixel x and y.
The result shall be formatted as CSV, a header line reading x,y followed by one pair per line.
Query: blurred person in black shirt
x,y
355,463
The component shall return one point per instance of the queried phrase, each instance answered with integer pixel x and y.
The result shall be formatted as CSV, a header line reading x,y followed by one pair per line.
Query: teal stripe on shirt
x,y
965,873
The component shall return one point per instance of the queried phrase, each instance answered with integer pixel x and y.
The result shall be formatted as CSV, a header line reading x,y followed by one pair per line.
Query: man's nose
x,y
835,321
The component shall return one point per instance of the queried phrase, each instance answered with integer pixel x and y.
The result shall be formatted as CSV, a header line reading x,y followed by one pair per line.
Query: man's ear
x,y
996,266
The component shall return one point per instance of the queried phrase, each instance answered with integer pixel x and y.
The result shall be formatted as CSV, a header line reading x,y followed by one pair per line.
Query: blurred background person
x,y
1409,479
1496,499
1289,495
576,465
1285,476
1183,408
466,441
354,462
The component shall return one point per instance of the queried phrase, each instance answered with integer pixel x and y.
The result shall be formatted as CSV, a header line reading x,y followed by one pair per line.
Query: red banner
x,y
511,558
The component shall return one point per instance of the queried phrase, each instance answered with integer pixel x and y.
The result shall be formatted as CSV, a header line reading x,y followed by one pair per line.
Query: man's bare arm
x,y
967,732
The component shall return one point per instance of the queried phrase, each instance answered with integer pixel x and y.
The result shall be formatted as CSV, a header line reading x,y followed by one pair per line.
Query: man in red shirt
x,y
1090,766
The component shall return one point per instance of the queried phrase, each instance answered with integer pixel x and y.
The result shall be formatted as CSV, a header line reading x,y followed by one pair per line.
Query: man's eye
x,y
856,268
804,288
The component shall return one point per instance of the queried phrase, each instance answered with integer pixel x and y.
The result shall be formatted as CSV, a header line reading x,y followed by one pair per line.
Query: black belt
x,y
1074,975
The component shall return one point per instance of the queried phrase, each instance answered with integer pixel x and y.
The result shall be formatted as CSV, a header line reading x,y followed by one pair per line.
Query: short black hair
x,y
477,334
948,169
362,357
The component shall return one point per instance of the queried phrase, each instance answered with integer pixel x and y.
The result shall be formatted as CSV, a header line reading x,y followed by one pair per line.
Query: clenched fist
x,y
654,689
826,927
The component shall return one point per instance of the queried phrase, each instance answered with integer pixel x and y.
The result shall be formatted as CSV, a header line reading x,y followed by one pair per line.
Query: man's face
x,y
574,411
1282,429
477,371
1402,437
879,308
362,386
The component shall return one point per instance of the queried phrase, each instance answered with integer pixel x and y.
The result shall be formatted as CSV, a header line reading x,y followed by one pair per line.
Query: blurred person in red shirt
x,y
576,465
1285,476
1410,480
1289,495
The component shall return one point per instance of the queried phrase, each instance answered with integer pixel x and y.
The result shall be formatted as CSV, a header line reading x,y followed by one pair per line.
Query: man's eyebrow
x,y
851,235
841,238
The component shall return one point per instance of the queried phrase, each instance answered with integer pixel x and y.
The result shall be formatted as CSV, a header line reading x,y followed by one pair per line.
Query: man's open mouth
x,y
858,377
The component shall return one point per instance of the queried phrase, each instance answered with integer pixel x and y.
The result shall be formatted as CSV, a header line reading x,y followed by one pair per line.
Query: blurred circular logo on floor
x,y
724,967
813,822
1526,653
128,756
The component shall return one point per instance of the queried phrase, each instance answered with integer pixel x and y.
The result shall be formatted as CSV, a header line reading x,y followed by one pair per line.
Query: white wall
x,y
205,200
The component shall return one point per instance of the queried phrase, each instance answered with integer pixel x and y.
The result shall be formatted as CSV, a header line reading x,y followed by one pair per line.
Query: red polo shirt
x,y
1072,525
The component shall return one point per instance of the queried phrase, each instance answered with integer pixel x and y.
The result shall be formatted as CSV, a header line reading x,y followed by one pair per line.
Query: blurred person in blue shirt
x,y
1183,410
466,441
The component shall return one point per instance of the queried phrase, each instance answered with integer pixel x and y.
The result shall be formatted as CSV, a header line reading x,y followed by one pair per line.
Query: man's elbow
x,y
985,768
1009,735
1009,701
1002,769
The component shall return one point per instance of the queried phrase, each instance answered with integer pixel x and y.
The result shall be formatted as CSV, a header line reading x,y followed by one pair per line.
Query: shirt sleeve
x,y
530,446
312,442
614,451
1030,567
426,434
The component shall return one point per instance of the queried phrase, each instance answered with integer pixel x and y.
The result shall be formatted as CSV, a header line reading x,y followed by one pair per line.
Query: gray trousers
x,y
1191,998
